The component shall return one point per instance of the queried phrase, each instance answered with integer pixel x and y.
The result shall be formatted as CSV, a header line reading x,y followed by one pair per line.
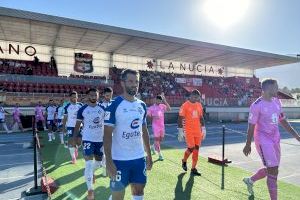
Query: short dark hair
x,y
266,82
159,97
73,92
128,71
108,90
92,90
195,92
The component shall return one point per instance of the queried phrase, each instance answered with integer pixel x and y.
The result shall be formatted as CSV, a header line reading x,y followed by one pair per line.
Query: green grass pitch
x,y
166,181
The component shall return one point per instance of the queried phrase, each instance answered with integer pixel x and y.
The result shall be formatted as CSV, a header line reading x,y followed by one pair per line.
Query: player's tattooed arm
x,y
287,126
76,129
250,133
202,121
180,121
107,142
55,117
65,122
165,102
146,140
76,133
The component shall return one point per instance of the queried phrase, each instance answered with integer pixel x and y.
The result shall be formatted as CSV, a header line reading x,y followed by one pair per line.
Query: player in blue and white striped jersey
x,y
59,115
126,139
69,122
107,97
50,111
91,116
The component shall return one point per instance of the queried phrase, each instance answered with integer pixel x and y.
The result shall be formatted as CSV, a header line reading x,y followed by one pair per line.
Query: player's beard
x,y
131,91
275,94
93,100
107,99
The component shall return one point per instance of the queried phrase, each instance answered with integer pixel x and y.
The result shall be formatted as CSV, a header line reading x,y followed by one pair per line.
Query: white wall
x,y
101,61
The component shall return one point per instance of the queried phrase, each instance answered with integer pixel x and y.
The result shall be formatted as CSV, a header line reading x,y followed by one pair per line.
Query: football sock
x,y
260,174
195,158
272,186
88,174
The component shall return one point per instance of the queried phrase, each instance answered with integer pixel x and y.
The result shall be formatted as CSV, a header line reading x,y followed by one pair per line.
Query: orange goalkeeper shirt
x,y
192,112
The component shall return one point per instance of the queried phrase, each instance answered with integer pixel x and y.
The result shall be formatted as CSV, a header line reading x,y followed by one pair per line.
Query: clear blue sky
x,y
264,25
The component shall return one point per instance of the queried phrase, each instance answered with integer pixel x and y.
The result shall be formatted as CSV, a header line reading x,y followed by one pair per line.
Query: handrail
x,y
53,80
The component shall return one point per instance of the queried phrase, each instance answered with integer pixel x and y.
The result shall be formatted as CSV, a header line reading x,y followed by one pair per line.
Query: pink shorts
x,y
17,119
39,118
158,131
269,153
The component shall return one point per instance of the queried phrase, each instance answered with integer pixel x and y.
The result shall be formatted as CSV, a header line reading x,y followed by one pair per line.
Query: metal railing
x,y
53,80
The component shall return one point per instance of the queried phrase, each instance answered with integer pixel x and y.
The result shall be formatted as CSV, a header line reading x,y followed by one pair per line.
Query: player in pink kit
x,y
16,117
39,114
264,117
156,113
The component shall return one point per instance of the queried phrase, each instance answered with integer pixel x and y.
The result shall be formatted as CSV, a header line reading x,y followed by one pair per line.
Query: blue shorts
x,y
70,132
59,123
50,123
129,171
92,148
2,121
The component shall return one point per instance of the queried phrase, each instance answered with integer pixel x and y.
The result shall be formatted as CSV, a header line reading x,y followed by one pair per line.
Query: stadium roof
x,y
35,28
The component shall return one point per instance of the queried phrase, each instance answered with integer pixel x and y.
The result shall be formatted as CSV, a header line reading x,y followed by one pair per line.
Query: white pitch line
x,y
255,160
244,162
297,174
15,136
8,150
170,135
14,177
16,164
18,154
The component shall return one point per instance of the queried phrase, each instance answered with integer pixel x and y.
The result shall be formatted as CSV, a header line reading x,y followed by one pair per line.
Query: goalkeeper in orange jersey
x,y
194,132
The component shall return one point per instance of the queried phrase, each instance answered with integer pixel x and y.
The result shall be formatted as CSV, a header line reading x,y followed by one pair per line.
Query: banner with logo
x,y
197,82
180,80
83,63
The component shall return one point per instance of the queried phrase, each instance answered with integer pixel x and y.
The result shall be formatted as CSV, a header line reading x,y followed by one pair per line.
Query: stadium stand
x,y
24,67
22,80
44,79
239,91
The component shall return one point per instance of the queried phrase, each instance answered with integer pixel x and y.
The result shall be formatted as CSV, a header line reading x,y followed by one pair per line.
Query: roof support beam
x,y
101,42
2,29
56,36
171,52
241,62
248,61
30,32
203,61
123,44
85,32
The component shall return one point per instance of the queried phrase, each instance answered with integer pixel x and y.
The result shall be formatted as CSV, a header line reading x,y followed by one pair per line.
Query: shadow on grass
x,y
183,193
80,191
54,154
77,193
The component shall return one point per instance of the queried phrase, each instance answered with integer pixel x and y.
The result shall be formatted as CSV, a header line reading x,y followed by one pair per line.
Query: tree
x,y
285,90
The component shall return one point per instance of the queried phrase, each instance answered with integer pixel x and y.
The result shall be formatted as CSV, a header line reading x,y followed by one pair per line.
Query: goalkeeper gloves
x,y
181,134
203,132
